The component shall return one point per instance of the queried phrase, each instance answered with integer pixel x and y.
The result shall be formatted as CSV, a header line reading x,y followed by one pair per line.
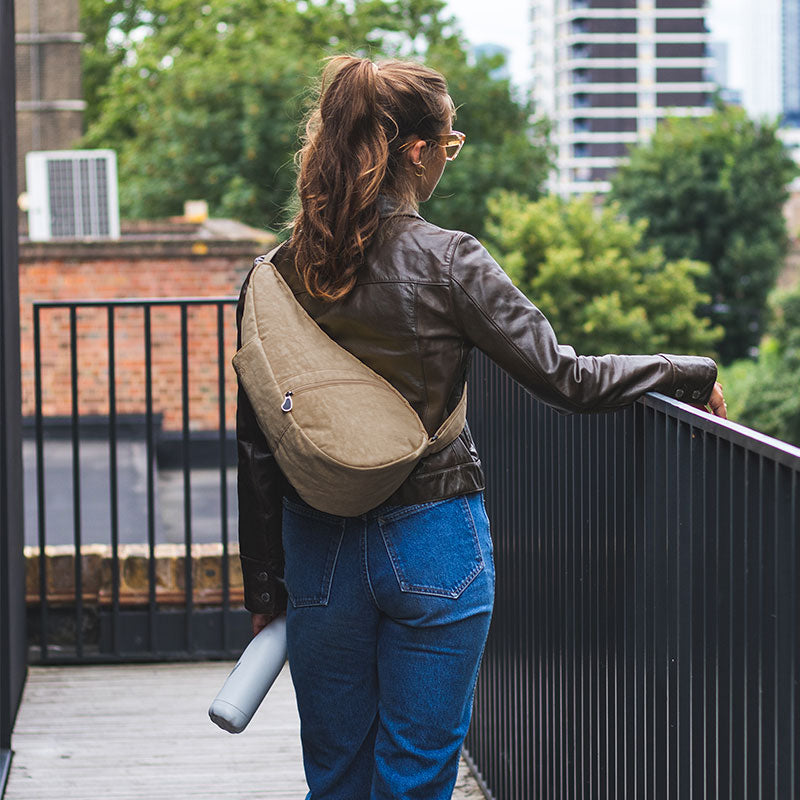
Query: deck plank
x,y
124,732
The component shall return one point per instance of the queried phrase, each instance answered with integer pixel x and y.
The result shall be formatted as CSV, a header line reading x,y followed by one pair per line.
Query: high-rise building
x,y
790,52
606,71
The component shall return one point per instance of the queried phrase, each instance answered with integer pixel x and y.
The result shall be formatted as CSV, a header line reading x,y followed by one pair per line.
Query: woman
x,y
388,612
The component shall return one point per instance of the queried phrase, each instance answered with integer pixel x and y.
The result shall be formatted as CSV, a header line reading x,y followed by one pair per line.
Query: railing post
x,y
12,567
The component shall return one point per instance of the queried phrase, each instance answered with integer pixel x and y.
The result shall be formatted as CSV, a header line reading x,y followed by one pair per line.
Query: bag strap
x,y
450,429
268,256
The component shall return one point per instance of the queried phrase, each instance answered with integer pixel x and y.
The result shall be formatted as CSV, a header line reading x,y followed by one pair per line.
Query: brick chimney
x,y
48,62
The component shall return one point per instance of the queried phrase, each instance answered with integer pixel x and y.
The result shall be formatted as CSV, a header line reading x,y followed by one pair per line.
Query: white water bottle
x,y
251,678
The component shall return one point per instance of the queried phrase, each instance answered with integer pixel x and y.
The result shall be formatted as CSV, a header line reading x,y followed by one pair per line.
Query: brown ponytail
x,y
350,154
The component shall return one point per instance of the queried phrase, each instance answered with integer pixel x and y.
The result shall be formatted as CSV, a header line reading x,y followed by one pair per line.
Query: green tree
x,y
590,273
107,26
764,394
503,151
713,189
207,104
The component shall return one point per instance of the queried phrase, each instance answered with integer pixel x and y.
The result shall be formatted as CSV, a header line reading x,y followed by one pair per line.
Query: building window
x,y
602,173
622,75
611,26
578,27
681,50
614,125
680,75
580,150
680,3
612,51
681,99
608,149
613,100
580,125
693,25
580,75
615,4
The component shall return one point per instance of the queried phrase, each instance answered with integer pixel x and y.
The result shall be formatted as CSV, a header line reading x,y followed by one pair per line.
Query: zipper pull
x,y
287,402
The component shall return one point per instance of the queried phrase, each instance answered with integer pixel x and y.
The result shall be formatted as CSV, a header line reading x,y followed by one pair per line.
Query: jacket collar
x,y
391,206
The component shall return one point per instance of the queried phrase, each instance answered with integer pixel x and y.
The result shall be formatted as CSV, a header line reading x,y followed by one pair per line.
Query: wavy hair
x,y
352,152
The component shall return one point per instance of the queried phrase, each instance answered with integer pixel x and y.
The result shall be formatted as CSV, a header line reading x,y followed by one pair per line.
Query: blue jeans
x,y
386,624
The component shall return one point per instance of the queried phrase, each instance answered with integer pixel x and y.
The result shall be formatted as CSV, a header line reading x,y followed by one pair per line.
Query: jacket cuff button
x,y
679,393
695,394
263,576
266,597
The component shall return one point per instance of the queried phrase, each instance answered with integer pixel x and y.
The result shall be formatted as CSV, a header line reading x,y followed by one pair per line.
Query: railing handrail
x,y
734,432
132,301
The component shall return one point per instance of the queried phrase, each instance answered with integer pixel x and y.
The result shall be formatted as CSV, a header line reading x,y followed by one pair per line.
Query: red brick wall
x,y
45,277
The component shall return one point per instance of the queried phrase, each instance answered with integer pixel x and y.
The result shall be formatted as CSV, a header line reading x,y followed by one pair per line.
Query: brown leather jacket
x,y
423,300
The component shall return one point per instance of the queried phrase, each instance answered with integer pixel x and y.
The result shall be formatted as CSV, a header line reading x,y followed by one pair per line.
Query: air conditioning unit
x,y
72,194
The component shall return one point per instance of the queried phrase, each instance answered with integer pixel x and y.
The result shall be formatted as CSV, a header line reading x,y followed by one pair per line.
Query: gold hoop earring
x,y
421,166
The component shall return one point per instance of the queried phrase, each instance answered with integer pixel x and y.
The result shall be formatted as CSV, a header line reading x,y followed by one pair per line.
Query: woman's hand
x,y
717,402
260,621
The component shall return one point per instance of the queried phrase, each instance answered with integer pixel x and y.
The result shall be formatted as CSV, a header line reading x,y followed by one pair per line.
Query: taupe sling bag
x,y
343,435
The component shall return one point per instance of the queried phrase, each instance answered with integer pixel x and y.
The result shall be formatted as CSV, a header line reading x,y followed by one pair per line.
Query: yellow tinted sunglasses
x,y
452,143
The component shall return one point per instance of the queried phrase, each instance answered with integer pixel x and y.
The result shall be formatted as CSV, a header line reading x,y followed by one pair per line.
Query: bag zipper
x,y
287,404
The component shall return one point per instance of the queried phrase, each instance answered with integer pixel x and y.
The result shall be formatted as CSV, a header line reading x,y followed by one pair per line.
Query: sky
x,y
751,29
503,22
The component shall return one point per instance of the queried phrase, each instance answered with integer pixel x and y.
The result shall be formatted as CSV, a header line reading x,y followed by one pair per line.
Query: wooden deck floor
x,y
142,731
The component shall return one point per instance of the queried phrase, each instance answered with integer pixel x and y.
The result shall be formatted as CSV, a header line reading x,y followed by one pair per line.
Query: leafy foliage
x,y
204,100
764,394
107,26
503,150
713,189
589,272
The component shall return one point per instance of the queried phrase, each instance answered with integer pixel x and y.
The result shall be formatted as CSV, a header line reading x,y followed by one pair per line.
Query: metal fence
x,y
138,626
645,636
645,639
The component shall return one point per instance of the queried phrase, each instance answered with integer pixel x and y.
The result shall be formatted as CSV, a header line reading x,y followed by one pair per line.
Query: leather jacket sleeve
x,y
260,486
498,318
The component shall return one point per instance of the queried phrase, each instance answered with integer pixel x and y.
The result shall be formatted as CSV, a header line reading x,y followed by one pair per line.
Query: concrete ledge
x,y
134,569
174,237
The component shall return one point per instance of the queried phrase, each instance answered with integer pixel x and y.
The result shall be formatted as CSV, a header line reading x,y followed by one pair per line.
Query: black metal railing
x,y
645,635
645,639
67,630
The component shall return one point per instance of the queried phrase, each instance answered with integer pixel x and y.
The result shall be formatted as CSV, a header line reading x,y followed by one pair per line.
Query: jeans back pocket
x,y
311,542
433,547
